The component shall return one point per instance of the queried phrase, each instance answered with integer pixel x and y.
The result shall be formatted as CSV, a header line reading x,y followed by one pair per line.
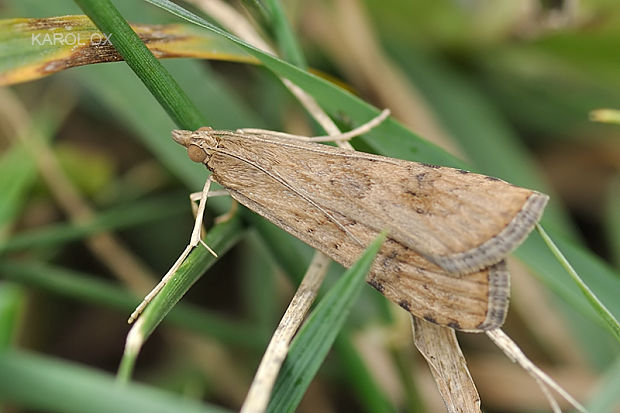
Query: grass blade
x,y
92,290
48,384
394,139
121,217
288,45
30,53
315,338
161,84
597,305
221,237
11,302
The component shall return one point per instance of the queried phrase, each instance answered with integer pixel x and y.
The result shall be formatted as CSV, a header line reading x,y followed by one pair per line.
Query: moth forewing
x,y
449,229
459,220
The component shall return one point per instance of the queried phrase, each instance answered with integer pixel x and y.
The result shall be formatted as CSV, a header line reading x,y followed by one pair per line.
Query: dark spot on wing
x,y
462,171
454,324
428,165
405,304
491,178
390,264
377,285
413,194
430,318
420,211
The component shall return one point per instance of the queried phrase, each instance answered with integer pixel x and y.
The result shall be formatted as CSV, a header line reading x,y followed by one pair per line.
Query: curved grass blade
x,y
33,48
221,237
315,338
605,315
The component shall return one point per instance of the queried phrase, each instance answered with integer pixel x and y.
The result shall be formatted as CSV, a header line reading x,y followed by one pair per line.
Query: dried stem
x,y
545,382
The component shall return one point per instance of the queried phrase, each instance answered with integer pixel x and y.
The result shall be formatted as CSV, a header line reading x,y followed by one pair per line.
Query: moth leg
x,y
193,242
234,206
197,196
360,130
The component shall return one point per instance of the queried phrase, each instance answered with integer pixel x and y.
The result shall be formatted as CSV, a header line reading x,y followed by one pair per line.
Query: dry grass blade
x,y
441,350
63,42
515,354
267,372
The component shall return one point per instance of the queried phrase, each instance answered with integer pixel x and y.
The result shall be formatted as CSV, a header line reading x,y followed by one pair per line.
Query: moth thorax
x,y
196,153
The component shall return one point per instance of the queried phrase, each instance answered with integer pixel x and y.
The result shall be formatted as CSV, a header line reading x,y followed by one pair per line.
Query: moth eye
x,y
196,154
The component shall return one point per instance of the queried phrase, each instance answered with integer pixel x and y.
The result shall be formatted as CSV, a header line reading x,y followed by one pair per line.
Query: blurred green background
x,y
505,86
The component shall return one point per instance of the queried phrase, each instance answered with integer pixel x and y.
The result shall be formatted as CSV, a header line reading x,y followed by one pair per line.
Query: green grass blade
x,y
315,338
18,169
18,174
606,397
12,299
46,384
178,105
93,290
597,305
220,237
390,138
287,41
161,84
613,220
120,217
364,384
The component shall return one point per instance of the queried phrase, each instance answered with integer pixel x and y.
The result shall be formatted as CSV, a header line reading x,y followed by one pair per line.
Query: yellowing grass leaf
x,y
33,48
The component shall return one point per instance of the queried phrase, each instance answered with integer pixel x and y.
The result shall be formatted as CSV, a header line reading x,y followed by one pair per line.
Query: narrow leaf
x,y
46,384
33,48
315,338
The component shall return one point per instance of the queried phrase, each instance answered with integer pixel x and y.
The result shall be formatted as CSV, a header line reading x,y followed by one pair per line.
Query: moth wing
x,y
459,220
475,301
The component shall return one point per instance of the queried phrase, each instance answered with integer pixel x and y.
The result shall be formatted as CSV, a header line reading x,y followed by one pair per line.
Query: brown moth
x,y
449,229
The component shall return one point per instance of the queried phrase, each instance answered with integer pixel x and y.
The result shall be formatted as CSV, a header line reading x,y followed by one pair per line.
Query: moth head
x,y
200,144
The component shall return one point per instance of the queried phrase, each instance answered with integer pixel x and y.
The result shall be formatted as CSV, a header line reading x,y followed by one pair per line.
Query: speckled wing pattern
x,y
449,230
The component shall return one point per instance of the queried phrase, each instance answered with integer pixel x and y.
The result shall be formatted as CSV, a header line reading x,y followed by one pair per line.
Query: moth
x,y
449,229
